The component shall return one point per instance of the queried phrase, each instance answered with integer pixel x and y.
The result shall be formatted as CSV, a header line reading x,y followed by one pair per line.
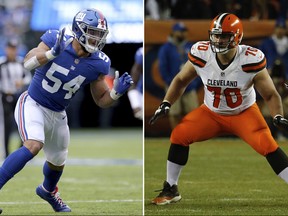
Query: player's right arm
x,y
36,56
180,82
42,54
177,87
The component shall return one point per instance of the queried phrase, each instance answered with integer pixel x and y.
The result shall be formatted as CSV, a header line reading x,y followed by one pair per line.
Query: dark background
x,y
122,59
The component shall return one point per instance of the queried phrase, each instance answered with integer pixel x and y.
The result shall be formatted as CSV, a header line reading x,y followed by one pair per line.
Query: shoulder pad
x,y
199,53
49,37
253,59
102,62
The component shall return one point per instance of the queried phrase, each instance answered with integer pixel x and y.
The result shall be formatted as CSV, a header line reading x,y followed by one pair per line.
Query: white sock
x,y
284,174
173,172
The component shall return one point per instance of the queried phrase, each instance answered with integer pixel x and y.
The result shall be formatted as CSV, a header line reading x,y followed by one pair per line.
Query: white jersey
x,y
228,90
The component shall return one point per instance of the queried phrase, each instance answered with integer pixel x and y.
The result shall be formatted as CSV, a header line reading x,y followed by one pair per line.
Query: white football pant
x,y
36,122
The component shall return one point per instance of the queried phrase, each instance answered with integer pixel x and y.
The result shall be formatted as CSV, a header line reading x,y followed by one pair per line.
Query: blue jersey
x,y
171,60
55,83
138,58
268,47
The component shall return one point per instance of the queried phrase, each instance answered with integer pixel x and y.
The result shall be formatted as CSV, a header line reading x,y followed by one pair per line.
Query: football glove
x,y
61,43
120,85
162,110
280,122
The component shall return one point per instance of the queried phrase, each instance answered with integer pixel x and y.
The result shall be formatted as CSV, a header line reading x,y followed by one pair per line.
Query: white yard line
x,y
71,201
91,162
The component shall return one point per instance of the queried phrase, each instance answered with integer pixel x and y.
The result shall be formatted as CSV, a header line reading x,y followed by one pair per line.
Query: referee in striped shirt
x,y
14,79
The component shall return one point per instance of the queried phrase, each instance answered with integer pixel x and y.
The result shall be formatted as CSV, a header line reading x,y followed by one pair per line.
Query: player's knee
x,y
57,159
180,136
33,146
266,144
55,167
263,142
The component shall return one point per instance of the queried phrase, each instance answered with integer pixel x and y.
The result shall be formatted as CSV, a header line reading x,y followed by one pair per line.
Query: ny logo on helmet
x,y
80,16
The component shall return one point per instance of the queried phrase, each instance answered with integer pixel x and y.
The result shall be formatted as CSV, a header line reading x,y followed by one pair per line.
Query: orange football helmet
x,y
226,32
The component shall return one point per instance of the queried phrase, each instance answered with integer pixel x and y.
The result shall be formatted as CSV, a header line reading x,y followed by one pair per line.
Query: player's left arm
x,y
103,96
100,92
266,88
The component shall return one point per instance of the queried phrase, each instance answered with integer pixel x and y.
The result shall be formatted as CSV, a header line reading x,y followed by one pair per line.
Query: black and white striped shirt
x,y
11,74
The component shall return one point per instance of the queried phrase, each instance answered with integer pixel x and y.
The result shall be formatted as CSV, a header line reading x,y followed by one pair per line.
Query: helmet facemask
x,y
92,38
220,41
226,32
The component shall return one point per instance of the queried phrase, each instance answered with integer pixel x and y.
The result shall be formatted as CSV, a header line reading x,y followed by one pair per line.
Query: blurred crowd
x,y
208,9
14,23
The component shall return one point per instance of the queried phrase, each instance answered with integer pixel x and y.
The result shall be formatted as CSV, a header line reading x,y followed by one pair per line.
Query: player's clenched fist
x,y
280,122
162,110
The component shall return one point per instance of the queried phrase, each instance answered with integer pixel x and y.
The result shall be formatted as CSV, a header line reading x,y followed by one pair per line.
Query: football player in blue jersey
x,y
65,61
135,93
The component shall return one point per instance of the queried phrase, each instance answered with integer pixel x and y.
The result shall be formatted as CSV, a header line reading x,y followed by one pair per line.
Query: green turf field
x,y
103,176
222,177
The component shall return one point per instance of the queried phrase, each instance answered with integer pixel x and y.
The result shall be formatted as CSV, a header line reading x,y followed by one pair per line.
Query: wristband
x,y
114,95
31,63
49,55
166,102
135,98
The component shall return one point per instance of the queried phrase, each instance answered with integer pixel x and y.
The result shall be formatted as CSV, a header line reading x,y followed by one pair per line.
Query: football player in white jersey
x,y
229,72
135,93
64,63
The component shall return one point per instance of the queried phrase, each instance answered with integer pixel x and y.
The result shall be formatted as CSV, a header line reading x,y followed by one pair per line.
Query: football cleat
x,y
53,198
169,194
